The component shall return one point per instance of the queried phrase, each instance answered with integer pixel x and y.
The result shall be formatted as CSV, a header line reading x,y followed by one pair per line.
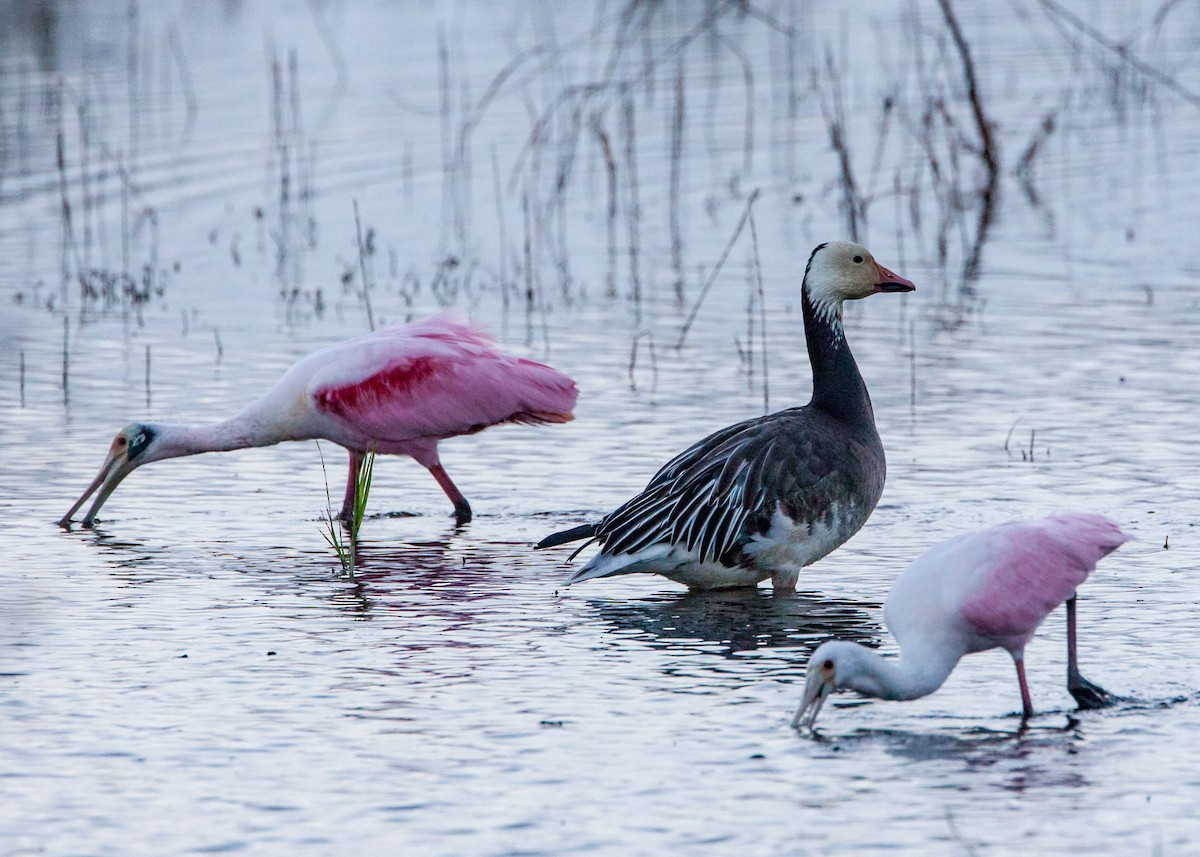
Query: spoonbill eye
x,y
857,260
120,441
828,665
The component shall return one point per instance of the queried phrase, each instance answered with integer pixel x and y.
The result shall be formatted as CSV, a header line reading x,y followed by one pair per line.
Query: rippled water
x,y
195,676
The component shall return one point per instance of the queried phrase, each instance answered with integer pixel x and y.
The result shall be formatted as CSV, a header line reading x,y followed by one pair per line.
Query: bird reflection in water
x,y
434,576
742,620
1027,757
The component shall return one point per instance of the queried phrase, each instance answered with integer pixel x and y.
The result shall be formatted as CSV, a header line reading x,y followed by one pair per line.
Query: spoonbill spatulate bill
x,y
974,592
399,391
765,497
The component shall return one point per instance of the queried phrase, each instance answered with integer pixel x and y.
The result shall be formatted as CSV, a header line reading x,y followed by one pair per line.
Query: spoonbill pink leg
x,y
1086,694
462,509
347,513
1026,701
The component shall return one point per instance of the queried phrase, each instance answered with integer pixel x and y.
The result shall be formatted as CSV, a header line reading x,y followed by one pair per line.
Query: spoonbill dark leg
x,y
1088,695
1026,701
462,509
347,514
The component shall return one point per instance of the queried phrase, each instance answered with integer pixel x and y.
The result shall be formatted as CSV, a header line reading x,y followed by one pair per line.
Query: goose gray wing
x,y
720,493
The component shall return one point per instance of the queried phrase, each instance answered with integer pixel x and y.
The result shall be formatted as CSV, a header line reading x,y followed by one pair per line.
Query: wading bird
x,y
398,391
974,592
768,496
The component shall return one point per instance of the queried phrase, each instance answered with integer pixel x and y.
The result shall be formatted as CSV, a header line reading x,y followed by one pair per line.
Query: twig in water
x,y
147,377
1024,168
185,81
502,226
683,332
22,377
66,355
748,83
362,266
676,164
1008,436
762,313
1123,52
987,150
220,350
633,206
912,370
527,258
852,201
610,166
971,850
69,247
633,354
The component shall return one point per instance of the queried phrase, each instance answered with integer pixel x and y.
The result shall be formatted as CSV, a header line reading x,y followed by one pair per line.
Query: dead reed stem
x,y
687,325
70,249
191,103
1024,168
835,120
362,267
762,314
131,68
674,176
66,357
610,167
501,226
1008,436
633,356
987,150
527,259
633,206
1122,51
748,83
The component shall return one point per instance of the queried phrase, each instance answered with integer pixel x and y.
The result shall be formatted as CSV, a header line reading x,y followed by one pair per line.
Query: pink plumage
x,y
435,379
399,390
974,592
1035,566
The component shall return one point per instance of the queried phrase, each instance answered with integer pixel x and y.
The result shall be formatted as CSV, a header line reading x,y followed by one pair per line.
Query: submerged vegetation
x,y
568,169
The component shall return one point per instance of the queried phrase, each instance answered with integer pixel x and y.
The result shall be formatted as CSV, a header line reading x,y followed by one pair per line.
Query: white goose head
x,y
844,271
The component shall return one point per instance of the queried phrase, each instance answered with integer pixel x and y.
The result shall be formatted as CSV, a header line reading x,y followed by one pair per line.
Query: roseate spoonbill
x,y
399,390
971,593
768,496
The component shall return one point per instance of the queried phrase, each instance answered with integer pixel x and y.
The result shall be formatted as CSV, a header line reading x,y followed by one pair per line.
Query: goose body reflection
x,y
399,390
979,591
765,497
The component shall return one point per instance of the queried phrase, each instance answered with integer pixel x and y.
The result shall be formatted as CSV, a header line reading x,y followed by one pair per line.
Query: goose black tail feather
x,y
584,531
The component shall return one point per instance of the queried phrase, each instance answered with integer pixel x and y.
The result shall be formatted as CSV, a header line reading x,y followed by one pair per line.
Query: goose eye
x,y
858,260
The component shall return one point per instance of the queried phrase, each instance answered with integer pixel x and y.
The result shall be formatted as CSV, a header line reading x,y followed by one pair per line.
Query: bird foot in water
x,y
1089,696
462,514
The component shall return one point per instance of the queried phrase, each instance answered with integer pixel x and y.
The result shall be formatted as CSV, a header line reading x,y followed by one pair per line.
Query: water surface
x,y
195,675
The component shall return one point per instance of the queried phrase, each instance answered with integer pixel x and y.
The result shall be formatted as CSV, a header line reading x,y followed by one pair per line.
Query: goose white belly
x,y
779,553
790,545
673,562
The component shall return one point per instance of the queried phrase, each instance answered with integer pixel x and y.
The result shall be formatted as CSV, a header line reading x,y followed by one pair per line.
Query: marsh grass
x,y
343,544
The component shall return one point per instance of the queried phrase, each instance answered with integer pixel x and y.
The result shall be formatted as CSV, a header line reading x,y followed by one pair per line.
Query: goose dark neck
x,y
838,387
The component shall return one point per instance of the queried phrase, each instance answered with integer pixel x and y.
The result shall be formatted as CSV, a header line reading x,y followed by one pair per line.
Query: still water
x,y
196,676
